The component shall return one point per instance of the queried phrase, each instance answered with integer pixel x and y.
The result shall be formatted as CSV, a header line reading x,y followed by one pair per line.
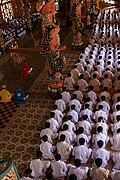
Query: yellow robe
x,y
5,95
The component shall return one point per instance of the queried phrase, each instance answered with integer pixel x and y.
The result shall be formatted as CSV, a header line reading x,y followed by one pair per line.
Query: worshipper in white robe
x,y
101,153
115,114
69,82
115,141
73,113
79,94
95,72
115,96
115,175
83,85
106,94
115,156
47,148
99,136
80,67
82,135
58,167
75,102
117,84
68,136
99,173
116,125
109,73
92,95
91,104
38,166
58,114
106,106
81,151
86,74
117,73
71,126
60,103
83,122
106,82
87,112
100,70
65,95
89,66
75,73
78,170
102,124
115,104
54,125
48,132
99,113
27,176
63,148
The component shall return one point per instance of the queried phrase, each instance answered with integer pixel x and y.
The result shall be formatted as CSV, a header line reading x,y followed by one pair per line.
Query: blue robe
x,y
20,95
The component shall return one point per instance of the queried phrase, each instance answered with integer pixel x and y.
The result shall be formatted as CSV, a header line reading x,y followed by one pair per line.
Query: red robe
x,y
25,70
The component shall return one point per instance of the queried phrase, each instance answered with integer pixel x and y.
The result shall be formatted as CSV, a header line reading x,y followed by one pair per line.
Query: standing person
x,y
20,95
38,166
5,95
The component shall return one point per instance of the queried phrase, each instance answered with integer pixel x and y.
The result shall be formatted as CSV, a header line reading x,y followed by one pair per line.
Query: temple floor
x,y
20,137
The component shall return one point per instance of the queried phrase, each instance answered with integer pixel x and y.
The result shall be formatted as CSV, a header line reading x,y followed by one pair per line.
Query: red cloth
x,y
25,70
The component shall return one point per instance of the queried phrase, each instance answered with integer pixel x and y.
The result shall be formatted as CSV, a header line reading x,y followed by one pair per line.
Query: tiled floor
x,y
20,139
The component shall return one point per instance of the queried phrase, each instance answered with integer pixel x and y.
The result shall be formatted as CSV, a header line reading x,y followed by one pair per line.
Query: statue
x,y
77,25
26,13
50,44
2,43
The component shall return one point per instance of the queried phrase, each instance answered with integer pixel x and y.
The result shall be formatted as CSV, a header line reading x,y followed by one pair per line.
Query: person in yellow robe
x,y
5,95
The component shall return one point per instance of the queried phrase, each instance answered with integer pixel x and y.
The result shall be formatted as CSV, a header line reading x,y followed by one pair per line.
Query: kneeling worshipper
x,y
5,95
20,95
26,70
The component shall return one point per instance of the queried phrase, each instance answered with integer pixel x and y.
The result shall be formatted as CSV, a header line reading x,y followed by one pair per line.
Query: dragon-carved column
x,y
50,45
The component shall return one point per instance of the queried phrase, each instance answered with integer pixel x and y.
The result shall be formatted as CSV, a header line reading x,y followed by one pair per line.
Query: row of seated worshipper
x,y
98,65
101,32
67,136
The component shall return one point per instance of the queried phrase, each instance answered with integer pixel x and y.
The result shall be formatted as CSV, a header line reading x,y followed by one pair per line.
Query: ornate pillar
x,y
50,45
77,25
97,4
27,13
